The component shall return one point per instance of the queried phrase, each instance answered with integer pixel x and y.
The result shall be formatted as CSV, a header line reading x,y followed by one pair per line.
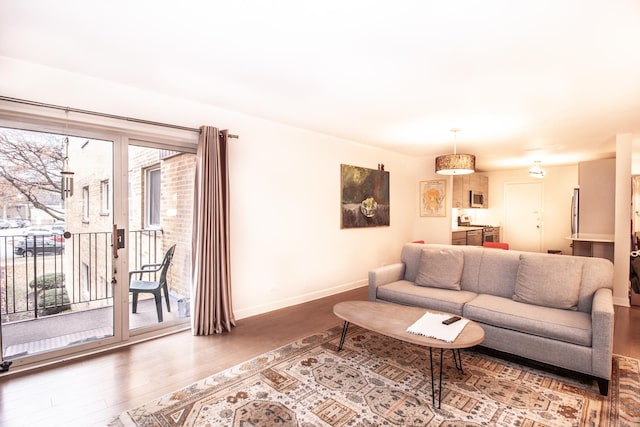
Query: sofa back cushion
x,y
596,273
440,268
412,253
410,256
548,281
497,272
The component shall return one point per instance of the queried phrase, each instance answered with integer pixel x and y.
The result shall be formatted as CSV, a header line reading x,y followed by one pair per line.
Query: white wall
x,y
286,242
622,219
431,229
558,187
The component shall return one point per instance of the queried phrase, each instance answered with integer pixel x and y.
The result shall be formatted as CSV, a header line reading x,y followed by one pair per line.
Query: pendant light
x,y
455,164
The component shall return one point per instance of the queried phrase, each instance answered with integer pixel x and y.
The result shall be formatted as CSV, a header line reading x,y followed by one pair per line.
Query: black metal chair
x,y
138,286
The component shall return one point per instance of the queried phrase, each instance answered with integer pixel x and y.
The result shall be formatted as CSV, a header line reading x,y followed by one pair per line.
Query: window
x,y
85,204
153,178
86,282
105,195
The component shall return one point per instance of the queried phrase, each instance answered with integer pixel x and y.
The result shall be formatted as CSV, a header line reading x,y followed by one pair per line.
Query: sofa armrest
x,y
383,275
602,321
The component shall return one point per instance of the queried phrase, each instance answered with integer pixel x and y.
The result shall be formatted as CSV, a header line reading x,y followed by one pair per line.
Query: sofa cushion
x,y
497,273
597,273
411,253
440,268
548,280
407,293
563,325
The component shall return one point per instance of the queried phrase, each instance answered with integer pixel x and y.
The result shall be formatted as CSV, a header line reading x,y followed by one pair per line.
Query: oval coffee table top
x,y
394,319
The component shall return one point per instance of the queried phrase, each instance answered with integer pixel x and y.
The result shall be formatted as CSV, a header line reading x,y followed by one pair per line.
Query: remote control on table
x,y
451,320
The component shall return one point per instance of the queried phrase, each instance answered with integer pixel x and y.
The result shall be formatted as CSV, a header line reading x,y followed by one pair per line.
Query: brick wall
x,y
177,181
145,246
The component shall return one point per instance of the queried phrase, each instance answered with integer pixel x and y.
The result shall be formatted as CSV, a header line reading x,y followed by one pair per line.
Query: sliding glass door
x,y
87,219
57,280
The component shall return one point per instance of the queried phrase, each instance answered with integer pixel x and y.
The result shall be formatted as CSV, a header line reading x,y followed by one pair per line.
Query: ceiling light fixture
x,y
455,164
536,171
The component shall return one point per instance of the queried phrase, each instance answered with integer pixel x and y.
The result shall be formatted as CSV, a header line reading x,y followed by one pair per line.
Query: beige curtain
x,y
211,267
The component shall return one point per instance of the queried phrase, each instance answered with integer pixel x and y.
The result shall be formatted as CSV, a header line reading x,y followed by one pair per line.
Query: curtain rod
x,y
107,115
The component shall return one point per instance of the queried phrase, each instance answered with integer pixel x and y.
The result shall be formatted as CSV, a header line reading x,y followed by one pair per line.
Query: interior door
x,y
523,217
58,270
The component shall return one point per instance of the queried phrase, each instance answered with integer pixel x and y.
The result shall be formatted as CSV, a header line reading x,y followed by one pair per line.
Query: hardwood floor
x,y
626,337
94,390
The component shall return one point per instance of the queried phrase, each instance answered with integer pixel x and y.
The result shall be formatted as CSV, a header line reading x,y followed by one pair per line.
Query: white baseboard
x,y
298,299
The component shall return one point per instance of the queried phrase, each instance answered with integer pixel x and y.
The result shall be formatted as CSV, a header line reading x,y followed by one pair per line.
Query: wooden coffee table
x,y
393,320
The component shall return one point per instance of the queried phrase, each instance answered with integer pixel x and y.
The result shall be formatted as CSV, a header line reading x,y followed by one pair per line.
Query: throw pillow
x,y
440,268
548,280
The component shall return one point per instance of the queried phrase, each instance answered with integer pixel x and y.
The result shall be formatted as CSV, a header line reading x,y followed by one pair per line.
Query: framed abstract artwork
x,y
433,198
364,197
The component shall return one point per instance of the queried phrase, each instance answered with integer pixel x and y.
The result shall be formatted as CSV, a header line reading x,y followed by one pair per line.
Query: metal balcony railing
x,y
42,275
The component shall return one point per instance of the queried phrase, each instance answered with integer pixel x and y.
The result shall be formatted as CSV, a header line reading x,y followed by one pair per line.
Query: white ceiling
x,y
549,80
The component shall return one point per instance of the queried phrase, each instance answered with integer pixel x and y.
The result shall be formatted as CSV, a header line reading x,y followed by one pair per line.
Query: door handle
x,y
114,244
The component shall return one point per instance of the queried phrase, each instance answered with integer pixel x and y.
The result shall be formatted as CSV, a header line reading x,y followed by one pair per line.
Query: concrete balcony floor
x,y
69,328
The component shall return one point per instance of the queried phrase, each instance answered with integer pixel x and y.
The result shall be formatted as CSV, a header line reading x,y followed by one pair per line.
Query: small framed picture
x,y
433,198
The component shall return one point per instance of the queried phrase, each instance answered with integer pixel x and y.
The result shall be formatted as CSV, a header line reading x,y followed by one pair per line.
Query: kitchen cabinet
x,y
467,236
460,187
464,184
459,238
474,238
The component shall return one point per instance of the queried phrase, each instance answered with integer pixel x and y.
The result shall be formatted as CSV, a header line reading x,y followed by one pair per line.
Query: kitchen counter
x,y
465,228
591,237
592,245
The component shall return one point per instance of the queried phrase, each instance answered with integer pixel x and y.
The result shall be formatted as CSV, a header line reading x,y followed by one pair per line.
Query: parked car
x,y
58,228
30,246
37,231
20,223
4,225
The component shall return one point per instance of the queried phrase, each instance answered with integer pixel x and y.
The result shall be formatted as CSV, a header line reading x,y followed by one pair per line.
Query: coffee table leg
x,y
344,334
457,358
433,388
440,384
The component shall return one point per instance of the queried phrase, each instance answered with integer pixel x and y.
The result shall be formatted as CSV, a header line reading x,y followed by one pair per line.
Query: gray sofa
x,y
554,309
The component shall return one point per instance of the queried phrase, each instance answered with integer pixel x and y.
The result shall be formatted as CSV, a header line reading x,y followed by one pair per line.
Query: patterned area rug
x,y
379,381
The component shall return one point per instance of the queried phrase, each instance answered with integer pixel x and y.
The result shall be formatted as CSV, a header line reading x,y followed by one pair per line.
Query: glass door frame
x,y
173,150
121,133
119,267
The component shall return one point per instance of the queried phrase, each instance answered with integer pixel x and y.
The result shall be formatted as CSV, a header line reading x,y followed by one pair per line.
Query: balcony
x,y
57,292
